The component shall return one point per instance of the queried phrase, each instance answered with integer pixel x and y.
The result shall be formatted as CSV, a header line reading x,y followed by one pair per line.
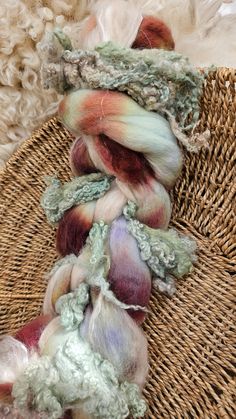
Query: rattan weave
x,y
192,335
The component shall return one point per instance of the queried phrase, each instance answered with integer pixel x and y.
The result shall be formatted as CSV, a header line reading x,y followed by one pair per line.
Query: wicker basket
x,y
191,336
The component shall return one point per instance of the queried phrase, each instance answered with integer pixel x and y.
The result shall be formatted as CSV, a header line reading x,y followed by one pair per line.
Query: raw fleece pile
x,y
24,105
88,353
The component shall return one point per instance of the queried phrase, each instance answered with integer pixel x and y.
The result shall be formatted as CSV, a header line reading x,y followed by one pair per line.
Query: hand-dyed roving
x,y
159,80
87,352
153,33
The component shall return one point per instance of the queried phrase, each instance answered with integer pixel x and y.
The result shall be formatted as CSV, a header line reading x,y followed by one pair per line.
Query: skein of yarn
x,y
88,352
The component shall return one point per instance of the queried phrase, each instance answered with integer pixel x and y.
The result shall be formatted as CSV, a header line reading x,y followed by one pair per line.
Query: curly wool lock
x,y
24,104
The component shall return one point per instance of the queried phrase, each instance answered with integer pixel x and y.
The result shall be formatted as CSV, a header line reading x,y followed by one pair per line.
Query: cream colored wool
x,y
200,32
23,103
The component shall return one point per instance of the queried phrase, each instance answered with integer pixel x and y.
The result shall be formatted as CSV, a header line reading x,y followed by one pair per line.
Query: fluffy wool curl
x,y
24,105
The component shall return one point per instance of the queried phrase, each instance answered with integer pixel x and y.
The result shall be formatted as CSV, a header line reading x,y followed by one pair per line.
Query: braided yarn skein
x,y
138,149
94,336
141,171
89,352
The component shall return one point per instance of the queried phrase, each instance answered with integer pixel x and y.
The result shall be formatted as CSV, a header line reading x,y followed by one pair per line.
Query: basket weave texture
x,y
192,335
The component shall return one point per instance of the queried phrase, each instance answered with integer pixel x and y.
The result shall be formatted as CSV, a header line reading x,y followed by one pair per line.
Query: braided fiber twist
x,y
88,352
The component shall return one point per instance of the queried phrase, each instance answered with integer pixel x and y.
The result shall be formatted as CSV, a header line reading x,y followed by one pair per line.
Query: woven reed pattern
x,y
192,335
